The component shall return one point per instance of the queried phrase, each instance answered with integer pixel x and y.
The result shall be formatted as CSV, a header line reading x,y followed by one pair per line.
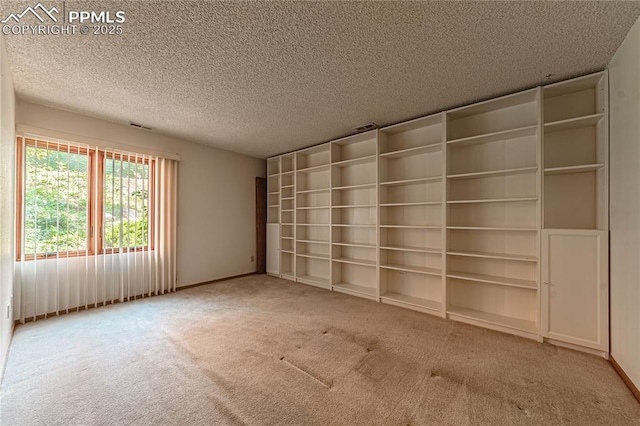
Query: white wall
x,y
216,190
624,89
7,201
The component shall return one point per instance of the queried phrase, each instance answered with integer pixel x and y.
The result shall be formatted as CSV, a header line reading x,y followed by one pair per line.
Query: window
x,y
75,200
125,202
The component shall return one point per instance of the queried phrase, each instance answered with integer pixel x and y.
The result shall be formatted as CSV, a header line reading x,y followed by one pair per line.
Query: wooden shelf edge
x,y
350,261
355,161
418,204
475,175
573,169
499,256
414,269
585,120
314,281
310,191
490,228
355,290
525,326
494,200
495,136
313,256
360,186
411,151
412,302
411,181
494,280
412,249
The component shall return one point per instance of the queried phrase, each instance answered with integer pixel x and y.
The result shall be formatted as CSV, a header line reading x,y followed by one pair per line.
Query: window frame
x,y
95,201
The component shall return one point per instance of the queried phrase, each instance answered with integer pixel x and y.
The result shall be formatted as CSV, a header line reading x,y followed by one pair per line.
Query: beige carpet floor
x,y
259,350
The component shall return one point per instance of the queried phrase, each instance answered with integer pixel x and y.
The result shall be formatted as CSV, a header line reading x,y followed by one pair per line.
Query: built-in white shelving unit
x,y
493,218
354,215
411,214
575,298
273,216
273,190
287,216
444,214
576,154
313,216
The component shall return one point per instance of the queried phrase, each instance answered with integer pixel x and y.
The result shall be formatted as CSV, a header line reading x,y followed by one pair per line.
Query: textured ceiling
x,y
266,78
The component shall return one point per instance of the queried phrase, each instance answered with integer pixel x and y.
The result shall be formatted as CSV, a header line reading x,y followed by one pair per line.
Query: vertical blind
x,y
96,226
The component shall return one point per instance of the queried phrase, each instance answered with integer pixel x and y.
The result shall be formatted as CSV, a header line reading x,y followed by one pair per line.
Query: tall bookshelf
x,y
493,213
574,294
273,217
411,215
287,216
313,216
576,153
354,212
273,190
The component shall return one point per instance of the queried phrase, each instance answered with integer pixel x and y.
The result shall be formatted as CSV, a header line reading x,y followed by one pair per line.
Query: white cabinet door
x,y
273,249
575,289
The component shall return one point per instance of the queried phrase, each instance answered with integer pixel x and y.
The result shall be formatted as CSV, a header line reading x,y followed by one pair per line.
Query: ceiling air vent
x,y
139,126
368,126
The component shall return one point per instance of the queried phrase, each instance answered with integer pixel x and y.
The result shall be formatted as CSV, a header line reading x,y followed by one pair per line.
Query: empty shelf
x,y
355,161
503,172
314,256
573,169
313,241
354,225
419,203
309,191
362,186
412,301
320,168
490,228
362,245
313,280
416,269
355,261
412,151
411,181
495,136
494,200
412,226
354,288
502,256
313,208
410,248
354,206
572,123
490,279
501,320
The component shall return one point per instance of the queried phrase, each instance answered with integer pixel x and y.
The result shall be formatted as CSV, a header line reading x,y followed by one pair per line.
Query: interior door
x,y
261,225
575,291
